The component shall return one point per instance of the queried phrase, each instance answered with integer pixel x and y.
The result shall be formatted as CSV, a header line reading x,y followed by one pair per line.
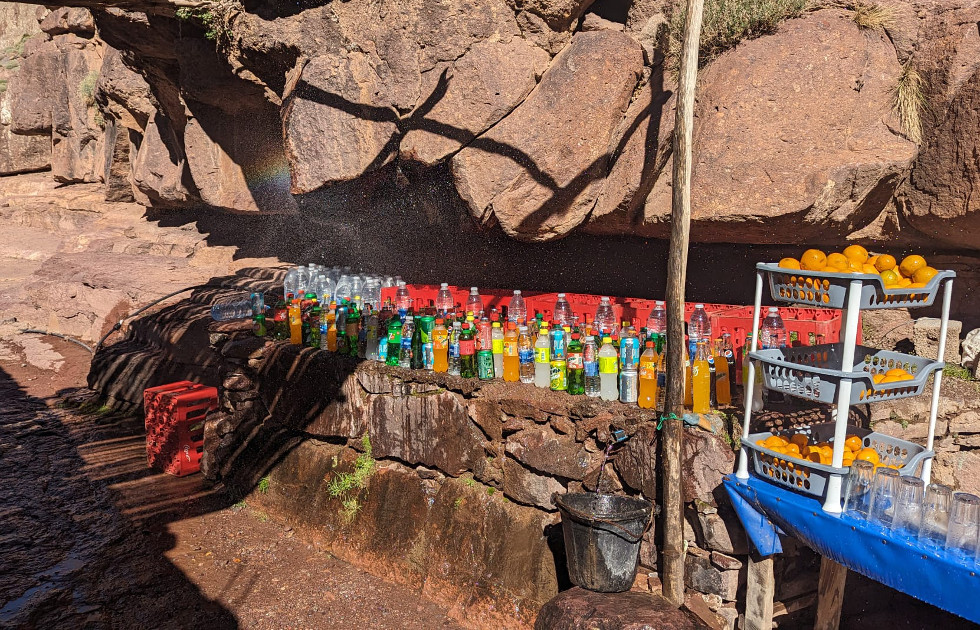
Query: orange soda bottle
x,y
723,390
647,398
440,347
701,379
512,363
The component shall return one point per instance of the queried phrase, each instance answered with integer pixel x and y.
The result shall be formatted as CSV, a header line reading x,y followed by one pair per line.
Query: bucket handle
x,y
630,536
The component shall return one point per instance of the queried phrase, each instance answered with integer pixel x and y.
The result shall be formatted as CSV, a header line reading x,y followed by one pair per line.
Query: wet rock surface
x,y
579,609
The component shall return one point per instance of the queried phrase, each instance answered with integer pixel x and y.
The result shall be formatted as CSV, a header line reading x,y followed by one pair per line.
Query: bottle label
x,y
526,355
648,371
559,376
428,356
607,365
454,350
484,364
383,349
497,345
542,355
591,368
558,345
395,340
281,314
509,348
406,344
439,339
575,361
466,347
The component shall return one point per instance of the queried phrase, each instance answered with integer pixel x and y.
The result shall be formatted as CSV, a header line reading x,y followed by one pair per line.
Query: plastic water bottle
x,y
773,332
605,319
454,365
371,336
699,326
238,307
590,355
525,354
657,321
517,311
344,289
444,300
402,298
290,283
542,359
563,312
608,368
474,303
405,352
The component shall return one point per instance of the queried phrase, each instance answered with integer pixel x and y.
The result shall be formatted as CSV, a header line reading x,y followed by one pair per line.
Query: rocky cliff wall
x,y
541,118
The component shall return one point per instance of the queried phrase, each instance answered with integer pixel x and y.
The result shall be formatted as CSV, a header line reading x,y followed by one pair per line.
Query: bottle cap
x,y
517,291
606,340
439,321
576,336
474,290
773,310
561,296
649,344
444,285
699,306
466,325
496,324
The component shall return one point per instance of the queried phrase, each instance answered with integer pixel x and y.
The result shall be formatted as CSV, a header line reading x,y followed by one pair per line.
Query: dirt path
x,y
93,539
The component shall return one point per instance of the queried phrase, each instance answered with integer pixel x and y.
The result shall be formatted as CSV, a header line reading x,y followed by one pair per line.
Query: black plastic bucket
x,y
602,538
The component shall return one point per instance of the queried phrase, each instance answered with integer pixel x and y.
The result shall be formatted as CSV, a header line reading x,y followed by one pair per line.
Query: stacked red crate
x,y
175,416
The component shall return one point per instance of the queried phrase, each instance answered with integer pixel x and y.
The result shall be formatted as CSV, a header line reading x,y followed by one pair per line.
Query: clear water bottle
x,y
605,318
542,359
525,354
474,303
563,312
657,321
517,311
590,355
238,307
405,352
444,300
773,332
402,298
699,326
344,289
325,290
372,336
608,369
290,283
453,353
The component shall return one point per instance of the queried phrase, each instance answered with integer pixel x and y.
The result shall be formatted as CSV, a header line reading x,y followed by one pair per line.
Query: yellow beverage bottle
x,y
295,324
512,362
440,347
723,391
688,385
647,397
701,380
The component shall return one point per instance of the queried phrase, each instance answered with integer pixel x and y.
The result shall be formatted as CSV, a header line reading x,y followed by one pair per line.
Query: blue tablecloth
x,y
930,574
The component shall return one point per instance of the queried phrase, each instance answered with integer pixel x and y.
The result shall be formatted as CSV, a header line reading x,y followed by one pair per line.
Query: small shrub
x,y
957,371
347,486
263,486
728,22
86,89
872,16
3,86
908,101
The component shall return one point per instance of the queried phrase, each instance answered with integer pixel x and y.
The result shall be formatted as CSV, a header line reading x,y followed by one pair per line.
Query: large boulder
x,y
539,170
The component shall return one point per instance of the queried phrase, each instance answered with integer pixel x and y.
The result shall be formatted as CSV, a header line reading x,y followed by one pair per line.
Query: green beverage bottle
x,y
417,361
484,365
576,366
394,341
311,329
467,353
353,329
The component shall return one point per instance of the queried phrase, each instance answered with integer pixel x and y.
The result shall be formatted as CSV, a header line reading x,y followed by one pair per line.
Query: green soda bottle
x,y
576,366
467,353
394,341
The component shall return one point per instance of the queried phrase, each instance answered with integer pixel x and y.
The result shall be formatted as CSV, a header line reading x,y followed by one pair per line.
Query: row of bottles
x,y
600,358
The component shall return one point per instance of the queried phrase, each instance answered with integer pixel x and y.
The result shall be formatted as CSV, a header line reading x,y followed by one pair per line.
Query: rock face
x,y
18,153
579,609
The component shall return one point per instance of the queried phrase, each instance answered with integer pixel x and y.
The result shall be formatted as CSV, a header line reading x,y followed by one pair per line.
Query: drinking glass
x,y
857,496
883,491
935,514
908,506
961,537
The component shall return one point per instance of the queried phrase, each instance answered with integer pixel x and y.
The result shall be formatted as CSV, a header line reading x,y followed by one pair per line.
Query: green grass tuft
x,y
871,16
86,89
263,486
957,371
908,101
728,22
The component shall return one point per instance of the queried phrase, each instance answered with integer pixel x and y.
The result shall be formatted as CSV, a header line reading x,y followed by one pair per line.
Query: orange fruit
x,y
869,454
815,457
871,261
904,283
924,275
856,253
789,263
854,443
917,285
793,449
813,260
866,268
890,276
847,462
895,372
854,267
911,264
885,262
877,378
800,439
837,261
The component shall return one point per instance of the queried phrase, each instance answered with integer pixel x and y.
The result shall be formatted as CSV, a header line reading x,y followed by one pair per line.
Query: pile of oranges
x,y
798,447
892,376
912,272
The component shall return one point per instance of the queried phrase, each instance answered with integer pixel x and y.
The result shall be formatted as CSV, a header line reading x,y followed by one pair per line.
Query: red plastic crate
x,y
152,395
811,325
175,416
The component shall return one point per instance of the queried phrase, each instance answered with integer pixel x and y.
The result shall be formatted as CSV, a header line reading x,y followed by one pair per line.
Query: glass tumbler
x,y
961,537
935,514
857,495
883,491
908,506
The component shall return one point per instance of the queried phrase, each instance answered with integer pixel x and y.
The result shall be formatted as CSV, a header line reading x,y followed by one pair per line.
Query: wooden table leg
x,y
830,594
760,590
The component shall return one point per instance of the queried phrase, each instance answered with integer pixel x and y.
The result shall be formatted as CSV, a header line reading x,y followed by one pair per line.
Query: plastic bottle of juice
x,y
467,352
510,360
608,370
542,359
701,380
576,366
525,355
648,377
295,323
440,347
497,345
688,384
722,375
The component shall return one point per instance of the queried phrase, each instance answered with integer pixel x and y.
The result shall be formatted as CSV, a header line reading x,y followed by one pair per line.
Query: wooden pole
x,y
680,227
759,592
830,594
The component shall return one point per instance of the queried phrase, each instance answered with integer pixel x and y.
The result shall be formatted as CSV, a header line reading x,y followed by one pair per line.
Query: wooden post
x,y
760,589
830,594
680,228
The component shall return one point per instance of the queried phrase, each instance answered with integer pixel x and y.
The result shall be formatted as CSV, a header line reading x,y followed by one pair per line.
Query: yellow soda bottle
x,y
512,363
701,379
647,398
723,391
688,384
295,324
440,347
